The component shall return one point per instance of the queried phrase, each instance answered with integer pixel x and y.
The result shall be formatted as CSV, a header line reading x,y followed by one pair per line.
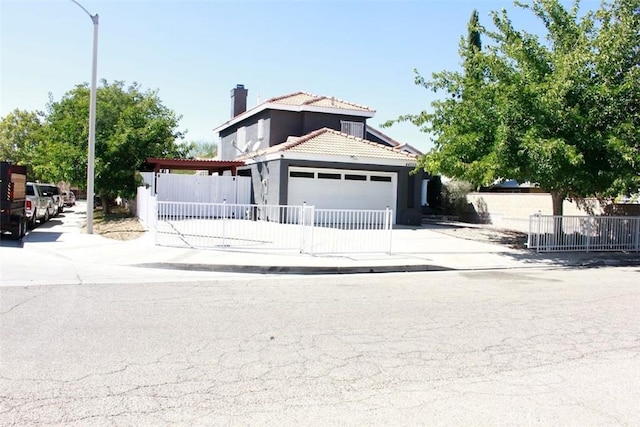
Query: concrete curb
x,y
296,269
320,270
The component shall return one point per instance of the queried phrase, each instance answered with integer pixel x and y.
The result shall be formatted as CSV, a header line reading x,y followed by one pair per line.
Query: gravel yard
x,y
483,233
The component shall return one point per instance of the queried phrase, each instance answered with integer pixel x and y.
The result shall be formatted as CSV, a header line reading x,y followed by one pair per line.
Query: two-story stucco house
x,y
319,150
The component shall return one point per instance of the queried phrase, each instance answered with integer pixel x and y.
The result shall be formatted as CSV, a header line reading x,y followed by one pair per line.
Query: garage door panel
x,y
354,189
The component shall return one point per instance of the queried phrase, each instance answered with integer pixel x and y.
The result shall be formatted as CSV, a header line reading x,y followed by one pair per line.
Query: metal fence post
x,y
152,217
303,211
307,225
224,222
529,240
387,224
637,234
312,216
537,215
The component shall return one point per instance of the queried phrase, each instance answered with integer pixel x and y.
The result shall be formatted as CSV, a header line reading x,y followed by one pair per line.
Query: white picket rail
x,y
222,225
349,231
548,233
265,227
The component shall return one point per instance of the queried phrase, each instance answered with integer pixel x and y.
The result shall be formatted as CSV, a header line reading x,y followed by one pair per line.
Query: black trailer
x,y
13,189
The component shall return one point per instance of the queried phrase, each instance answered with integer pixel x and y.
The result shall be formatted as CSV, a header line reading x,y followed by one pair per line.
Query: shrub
x,y
454,197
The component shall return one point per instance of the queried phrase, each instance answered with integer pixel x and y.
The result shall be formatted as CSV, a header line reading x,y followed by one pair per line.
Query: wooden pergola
x,y
211,166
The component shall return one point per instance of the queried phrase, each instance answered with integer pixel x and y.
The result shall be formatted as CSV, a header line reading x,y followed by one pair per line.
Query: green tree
x,y
21,132
532,110
616,94
131,125
203,150
474,41
473,47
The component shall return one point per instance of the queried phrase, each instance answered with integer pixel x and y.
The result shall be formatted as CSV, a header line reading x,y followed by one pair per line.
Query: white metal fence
x,y
548,233
265,227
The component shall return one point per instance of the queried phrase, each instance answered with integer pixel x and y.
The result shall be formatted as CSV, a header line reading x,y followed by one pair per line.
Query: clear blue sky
x,y
195,52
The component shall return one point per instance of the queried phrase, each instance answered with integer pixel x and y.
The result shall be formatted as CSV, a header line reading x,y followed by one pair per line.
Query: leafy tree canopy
x,y
562,112
20,134
203,150
131,125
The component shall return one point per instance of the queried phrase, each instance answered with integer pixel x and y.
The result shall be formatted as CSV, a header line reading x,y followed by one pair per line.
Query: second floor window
x,y
352,128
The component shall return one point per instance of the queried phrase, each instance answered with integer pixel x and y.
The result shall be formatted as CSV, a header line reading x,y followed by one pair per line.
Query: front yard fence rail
x,y
231,226
548,233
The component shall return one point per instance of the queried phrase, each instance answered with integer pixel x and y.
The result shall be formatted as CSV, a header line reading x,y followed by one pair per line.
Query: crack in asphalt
x,y
24,302
245,350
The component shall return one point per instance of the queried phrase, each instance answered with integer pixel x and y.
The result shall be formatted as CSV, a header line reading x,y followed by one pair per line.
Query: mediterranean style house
x,y
303,148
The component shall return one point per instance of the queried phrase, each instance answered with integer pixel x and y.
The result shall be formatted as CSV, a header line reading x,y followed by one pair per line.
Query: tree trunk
x,y
105,204
557,200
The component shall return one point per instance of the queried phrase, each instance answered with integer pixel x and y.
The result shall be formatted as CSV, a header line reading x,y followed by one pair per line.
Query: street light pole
x,y
92,121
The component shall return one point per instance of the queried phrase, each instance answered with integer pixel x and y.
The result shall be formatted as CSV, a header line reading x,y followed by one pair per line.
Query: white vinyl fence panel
x,y
199,188
146,208
203,188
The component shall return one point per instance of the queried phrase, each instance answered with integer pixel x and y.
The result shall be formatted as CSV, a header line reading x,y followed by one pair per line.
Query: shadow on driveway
x,y
43,237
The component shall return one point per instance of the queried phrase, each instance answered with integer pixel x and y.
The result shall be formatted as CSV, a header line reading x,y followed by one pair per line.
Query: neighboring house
x,y
511,186
374,135
316,149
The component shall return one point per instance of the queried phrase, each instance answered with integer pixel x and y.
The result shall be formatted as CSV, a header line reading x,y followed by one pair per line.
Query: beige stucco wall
x,y
512,210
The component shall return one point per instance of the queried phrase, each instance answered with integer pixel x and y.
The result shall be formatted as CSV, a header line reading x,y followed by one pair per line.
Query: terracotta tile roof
x,y
298,101
304,98
331,142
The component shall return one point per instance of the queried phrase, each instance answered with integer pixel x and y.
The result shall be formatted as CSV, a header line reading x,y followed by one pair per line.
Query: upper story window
x,y
352,128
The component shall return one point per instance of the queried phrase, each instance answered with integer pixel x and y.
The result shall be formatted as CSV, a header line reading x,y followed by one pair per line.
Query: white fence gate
x,y
548,233
235,226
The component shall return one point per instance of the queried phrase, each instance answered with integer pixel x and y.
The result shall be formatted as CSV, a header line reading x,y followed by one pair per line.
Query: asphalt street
x,y
499,347
89,335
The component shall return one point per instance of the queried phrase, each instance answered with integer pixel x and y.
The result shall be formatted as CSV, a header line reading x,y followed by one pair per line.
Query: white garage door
x,y
342,189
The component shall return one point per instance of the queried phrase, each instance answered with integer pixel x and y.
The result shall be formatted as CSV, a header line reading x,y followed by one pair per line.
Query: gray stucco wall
x,y
228,136
283,125
278,126
371,137
289,123
315,121
265,182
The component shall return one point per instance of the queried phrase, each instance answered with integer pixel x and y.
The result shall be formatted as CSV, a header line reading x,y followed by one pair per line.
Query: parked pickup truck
x,y
54,192
39,206
13,179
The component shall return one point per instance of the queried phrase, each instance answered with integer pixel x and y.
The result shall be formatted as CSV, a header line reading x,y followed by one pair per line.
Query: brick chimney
x,y
238,100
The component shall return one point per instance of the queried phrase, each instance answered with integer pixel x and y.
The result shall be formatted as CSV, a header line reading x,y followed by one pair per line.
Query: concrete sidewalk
x,y
77,257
